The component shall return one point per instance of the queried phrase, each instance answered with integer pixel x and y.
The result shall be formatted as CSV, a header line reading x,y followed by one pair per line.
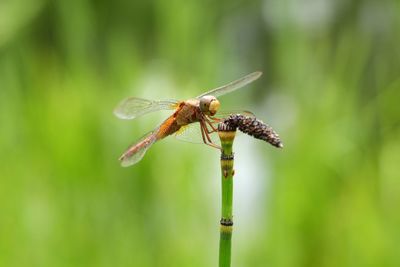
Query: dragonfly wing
x,y
191,133
134,107
232,86
136,151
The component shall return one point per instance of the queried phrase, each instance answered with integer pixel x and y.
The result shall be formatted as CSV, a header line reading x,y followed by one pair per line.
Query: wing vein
x,y
232,86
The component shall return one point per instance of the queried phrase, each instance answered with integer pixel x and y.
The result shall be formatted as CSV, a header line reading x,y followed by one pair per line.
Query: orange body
x,y
187,112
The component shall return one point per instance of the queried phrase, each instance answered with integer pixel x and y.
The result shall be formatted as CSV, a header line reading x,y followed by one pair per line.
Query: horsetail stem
x,y
227,135
227,131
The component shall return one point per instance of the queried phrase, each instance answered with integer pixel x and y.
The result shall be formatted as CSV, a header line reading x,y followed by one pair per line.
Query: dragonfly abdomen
x,y
168,127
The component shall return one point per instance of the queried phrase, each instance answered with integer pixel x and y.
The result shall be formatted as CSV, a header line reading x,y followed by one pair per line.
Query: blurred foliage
x,y
331,88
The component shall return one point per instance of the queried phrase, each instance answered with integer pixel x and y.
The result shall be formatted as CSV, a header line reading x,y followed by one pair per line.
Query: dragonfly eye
x,y
209,105
214,106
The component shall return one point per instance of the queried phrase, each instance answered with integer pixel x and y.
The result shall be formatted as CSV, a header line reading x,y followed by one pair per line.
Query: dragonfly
x,y
201,110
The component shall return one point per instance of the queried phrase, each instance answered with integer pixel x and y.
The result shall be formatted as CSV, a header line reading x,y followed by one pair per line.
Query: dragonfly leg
x,y
215,119
206,137
214,145
211,125
207,120
202,133
205,132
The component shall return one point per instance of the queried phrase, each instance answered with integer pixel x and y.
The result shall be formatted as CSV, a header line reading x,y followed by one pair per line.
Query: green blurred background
x,y
331,88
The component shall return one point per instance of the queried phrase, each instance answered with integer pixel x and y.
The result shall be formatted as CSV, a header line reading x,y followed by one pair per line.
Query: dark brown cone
x,y
254,127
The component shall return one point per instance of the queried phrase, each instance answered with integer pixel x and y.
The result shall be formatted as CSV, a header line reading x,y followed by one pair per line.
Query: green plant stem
x,y
226,136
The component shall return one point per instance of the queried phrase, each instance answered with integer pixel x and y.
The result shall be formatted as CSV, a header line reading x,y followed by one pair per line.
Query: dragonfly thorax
x,y
209,105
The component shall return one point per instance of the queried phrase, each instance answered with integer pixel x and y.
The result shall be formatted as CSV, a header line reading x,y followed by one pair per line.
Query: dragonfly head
x,y
209,105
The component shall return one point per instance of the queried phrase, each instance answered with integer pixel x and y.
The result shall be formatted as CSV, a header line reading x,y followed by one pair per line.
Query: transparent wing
x,y
136,151
134,107
232,86
191,133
